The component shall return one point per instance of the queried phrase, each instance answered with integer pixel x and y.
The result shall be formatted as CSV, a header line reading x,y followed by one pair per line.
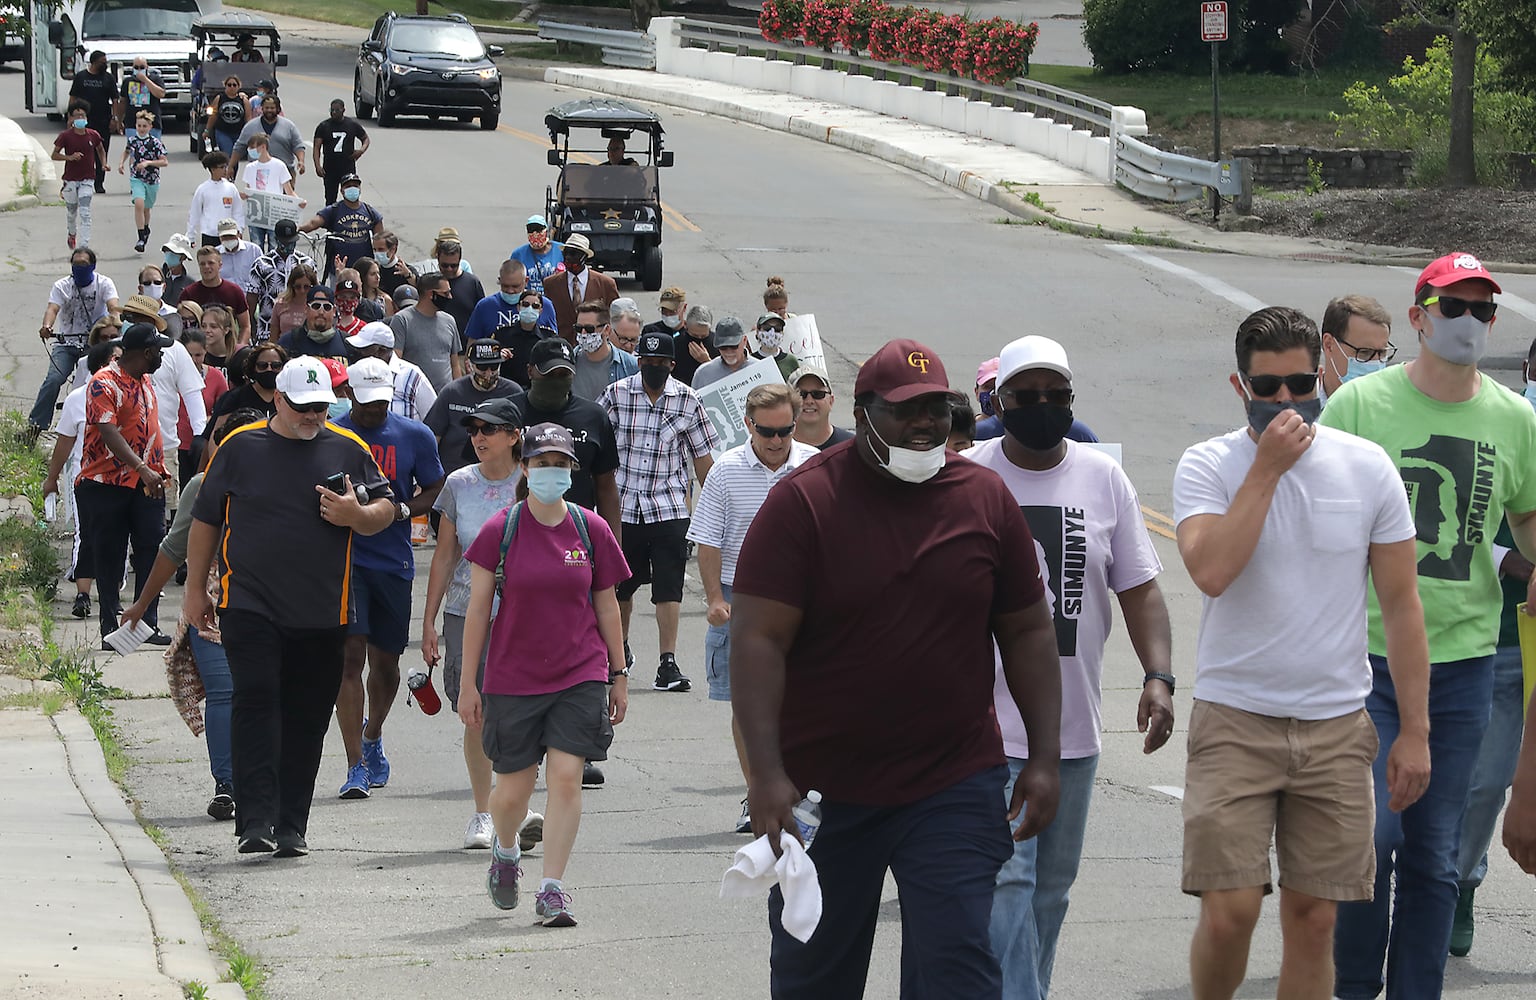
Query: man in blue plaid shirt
x,y
661,427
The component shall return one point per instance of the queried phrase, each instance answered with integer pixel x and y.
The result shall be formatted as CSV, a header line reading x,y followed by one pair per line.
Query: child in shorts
x,y
147,154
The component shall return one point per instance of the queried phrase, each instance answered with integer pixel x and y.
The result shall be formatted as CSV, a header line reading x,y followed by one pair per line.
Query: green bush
x,y
1414,112
1128,36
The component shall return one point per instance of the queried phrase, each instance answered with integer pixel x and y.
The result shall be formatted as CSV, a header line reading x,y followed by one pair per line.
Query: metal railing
x,y
1020,94
1153,173
630,49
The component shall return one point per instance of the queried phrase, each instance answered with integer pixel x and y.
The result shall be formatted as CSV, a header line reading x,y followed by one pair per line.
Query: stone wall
x,y
1285,167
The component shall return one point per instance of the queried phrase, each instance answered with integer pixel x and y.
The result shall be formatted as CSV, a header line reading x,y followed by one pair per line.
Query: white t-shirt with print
x,y
1091,543
1287,638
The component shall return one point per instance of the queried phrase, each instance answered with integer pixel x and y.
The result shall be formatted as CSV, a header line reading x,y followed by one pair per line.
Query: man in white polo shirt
x,y
1284,525
731,497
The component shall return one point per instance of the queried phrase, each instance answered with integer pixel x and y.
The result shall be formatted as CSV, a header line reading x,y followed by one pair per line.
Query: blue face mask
x,y
172,259
382,258
549,482
1356,368
253,154
340,408
509,298
527,315
83,274
79,123
984,397
352,193
1530,391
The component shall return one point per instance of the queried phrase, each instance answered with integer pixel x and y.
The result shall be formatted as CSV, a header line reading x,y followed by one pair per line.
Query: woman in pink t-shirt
x,y
556,644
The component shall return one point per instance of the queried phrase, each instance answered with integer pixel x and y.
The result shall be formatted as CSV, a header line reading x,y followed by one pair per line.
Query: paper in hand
x,y
129,636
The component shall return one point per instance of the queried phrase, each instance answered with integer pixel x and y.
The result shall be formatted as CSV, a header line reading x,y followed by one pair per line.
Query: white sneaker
x,y
531,832
479,833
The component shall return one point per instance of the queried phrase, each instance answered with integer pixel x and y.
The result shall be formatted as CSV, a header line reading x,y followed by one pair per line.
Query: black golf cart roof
x,y
232,23
600,112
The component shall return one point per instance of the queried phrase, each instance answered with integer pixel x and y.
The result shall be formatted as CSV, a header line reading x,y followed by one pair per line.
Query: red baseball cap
x,y
901,370
338,369
1451,268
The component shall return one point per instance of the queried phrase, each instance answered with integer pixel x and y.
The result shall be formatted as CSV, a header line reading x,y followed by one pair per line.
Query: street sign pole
x,y
1216,121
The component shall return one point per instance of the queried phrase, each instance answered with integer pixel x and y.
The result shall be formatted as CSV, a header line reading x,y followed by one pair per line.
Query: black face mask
x,y
267,380
550,392
654,376
442,301
1039,426
1262,412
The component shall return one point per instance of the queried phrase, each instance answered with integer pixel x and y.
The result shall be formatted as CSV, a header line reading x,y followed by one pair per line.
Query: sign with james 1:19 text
x,y
1213,21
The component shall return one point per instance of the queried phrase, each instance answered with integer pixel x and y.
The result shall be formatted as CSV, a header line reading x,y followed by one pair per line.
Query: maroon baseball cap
x,y
1451,268
901,370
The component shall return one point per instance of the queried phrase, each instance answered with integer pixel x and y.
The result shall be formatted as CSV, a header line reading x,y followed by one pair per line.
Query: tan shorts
x,y
1306,783
172,470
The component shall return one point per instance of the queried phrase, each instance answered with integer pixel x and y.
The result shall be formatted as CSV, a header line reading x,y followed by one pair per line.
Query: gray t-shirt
x,y
456,400
714,370
428,342
591,376
469,499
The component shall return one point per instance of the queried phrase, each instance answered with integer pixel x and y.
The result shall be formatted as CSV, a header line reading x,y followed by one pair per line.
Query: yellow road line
x,y
1158,529
1153,515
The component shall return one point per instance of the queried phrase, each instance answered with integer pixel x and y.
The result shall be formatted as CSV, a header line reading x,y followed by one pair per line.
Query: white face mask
x,y
230,245
671,322
587,343
156,292
908,464
769,339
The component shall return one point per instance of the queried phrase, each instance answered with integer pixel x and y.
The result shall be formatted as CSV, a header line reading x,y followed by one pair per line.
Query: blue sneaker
x,y
376,762
553,907
356,785
501,880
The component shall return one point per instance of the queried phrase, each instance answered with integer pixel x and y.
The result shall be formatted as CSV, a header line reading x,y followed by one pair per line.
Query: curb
x,y
181,950
20,202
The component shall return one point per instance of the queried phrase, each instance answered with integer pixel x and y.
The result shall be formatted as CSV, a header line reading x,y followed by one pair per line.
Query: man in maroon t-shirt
x,y
80,149
869,568
212,288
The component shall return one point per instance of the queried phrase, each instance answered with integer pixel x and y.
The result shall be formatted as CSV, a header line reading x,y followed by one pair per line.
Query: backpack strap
x,y
506,543
584,532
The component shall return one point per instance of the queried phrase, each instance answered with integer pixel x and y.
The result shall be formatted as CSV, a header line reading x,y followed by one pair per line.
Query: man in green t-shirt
x,y
1466,449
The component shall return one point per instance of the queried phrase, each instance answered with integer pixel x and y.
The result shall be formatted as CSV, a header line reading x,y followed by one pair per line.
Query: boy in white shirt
x,y
215,199
264,173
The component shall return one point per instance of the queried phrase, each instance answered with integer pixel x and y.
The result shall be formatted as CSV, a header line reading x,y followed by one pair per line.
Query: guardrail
x,y
1153,173
630,49
1020,94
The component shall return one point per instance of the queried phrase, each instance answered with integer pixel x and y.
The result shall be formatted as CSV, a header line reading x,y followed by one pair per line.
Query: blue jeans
x,y
62,359
717,656
944,851
1495,769
1030,901
213,667
1413,931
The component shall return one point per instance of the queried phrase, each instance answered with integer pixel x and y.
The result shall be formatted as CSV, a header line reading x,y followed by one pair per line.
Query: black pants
x,y
335,170
285,681
101,171
112,517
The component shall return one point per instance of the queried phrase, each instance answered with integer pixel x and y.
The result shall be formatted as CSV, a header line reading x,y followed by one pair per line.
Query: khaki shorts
x,y
1306,783
172,482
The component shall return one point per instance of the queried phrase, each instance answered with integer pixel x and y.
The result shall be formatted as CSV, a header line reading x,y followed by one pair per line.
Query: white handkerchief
x,y
126,638
755,870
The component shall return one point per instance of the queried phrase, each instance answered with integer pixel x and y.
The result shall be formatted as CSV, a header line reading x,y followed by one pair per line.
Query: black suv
x,y
434,66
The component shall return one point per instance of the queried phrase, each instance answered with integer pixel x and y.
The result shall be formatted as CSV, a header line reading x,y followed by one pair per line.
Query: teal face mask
x,y
549,482
340,408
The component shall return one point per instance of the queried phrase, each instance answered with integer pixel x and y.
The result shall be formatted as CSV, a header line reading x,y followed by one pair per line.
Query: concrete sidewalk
x,y
18,148
92,910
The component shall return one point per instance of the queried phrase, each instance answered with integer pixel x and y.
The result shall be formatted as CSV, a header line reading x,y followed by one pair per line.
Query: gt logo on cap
x,y
918,360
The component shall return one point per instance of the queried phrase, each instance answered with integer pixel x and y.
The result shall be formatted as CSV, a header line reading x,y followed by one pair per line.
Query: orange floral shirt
x,y
115,397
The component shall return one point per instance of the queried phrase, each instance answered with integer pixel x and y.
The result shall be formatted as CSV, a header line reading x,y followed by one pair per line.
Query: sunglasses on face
x,y
934,407
487,429
1371,353
309,407
323,306
267,366
584,328
1029,397
814,393
492,366
1451,307
772,432
1299,383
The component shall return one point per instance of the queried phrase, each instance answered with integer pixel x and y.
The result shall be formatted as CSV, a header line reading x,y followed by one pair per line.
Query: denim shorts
x,y
717,656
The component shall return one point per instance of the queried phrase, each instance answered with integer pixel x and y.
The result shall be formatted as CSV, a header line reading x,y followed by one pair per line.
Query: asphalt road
x,y
388,906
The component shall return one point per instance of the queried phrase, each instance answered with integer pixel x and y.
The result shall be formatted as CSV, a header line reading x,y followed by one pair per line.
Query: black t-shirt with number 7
x,y
339,139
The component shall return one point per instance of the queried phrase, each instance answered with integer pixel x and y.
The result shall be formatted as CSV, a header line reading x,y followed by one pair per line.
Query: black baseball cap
x,y
500,411
484,353
320,292
656,345
141,336
286,229
552,353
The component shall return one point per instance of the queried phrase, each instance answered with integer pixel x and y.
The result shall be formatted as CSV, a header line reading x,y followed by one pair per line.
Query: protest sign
x,y
803,340
265,209
725,401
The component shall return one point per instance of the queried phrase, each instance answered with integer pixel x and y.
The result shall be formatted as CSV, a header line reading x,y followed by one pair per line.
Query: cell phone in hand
x,y
337,484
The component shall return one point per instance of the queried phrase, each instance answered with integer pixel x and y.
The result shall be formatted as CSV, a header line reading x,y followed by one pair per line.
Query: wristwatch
x,y
614,674
1165,678
402,512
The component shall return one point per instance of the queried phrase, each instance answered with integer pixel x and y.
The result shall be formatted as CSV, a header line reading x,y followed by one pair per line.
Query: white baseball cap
x,y
370,380
304,381
1032,352
373,335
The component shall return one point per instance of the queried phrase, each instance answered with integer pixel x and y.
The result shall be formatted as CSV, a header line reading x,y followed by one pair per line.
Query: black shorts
x,y
518,728
381,604
657,553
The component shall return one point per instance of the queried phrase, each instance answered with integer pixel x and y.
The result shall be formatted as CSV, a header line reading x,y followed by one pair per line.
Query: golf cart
x,y
616,205
217,36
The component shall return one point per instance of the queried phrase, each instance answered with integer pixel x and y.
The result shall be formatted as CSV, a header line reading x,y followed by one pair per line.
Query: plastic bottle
x,y
420,683
808,817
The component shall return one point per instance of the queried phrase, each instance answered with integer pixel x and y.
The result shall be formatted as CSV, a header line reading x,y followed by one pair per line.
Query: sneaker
x,y
531,833
501,880
82,606
629,658
744,824
553,907
356,785
158,638
222,806
1461,923
291,845
258,843
378,764
591,775
668,677
479,833
71,241
139,246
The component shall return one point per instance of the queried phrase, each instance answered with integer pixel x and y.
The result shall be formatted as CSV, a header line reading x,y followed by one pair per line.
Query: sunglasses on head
x,y
1451,307
771,432
1029,397
1299,383
814,393
935,407
309,407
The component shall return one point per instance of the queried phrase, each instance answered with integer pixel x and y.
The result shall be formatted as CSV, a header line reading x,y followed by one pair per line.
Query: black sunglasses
x,y
814,393
771,432
1451,307
483,429
1300,384
1371,353
1029,397
935,407
309,407
267,366
583,328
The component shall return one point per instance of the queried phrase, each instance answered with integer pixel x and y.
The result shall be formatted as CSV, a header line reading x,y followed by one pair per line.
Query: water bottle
x,y
420,683
808,817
